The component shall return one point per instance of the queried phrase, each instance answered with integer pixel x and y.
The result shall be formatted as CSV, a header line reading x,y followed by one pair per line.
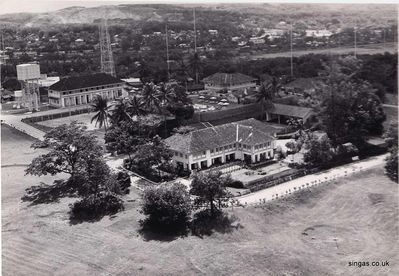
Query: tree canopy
x,y
210,189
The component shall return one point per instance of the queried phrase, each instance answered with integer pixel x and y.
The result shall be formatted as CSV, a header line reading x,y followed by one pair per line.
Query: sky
x,y
37,6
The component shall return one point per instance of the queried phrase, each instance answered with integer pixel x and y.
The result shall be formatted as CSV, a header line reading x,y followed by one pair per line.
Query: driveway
x,y
310,180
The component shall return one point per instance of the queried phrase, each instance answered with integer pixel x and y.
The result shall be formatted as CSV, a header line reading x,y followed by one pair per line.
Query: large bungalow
x,y
80,90
248,140
234,81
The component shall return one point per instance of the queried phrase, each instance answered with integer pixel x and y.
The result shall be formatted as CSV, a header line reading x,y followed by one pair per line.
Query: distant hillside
x,y
263,15
82,15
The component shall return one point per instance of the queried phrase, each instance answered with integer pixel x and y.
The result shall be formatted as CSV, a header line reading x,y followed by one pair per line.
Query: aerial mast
x,y
292,65
355,38
195,34
107,60
167,50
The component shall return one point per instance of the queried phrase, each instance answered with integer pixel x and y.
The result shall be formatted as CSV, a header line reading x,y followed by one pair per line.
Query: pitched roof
x,y
304,83
291,110
225,79
250,132
78,82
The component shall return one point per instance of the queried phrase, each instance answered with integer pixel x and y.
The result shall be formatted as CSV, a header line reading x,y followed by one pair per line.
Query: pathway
x,y
310,180
15,122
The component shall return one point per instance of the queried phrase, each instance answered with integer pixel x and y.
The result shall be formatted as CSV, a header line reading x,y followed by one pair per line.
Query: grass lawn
x,y
316,233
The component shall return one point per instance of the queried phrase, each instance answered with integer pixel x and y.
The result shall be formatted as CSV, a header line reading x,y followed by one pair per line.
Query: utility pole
x,y
1,61
167,50
292,65
107,60
354,29
195,33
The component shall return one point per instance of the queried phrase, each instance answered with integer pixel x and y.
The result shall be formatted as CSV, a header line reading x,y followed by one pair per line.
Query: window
x,y
185,156
181,154
204,153
211,150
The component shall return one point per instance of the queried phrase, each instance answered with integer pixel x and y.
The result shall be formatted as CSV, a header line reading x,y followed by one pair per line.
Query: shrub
x,y
167,206
96,206
124,181
235,184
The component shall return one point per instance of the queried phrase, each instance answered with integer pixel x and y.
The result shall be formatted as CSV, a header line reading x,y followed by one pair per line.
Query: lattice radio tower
x,y
107,60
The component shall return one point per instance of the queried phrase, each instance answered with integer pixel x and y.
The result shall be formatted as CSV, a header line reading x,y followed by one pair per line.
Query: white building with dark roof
x,y
80,90
248,140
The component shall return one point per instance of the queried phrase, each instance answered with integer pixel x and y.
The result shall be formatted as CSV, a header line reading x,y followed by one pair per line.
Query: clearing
x,y
312,233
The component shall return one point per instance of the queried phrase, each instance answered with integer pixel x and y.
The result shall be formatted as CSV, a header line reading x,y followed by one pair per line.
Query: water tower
x,y
29,75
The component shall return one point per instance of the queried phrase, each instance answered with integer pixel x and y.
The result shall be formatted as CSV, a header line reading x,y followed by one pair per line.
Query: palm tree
x,y
150,97
136,107
195,64
100,105
120,112
264,96
274,86
166,96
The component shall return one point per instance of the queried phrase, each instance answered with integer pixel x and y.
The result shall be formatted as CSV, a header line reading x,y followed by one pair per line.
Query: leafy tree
x,y
318,151
101,106
210,189
167,205
125,138
391,138
150,157
391,166
349,107
71,151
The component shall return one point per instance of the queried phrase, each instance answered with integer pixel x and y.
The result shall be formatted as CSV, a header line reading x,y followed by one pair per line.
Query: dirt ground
x,y
316,233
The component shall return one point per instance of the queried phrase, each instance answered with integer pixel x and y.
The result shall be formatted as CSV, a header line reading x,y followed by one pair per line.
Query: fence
x,y
270,183
311,183
60,114
269,178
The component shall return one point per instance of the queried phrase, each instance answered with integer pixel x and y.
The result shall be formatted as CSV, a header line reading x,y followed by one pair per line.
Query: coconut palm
x,y
195,64
274,86
101,106
264,96
167,96
151,100
136,107
120,112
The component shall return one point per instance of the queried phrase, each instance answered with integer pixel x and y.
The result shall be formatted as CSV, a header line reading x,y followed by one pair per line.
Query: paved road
x,y
390,105
361,49
310,180
15,122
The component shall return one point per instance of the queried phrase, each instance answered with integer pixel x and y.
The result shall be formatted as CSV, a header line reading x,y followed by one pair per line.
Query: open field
x,y
314,233
82,118
370,49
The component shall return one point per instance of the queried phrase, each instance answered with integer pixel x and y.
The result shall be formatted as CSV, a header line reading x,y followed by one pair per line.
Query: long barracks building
x,y
248,140
81,90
